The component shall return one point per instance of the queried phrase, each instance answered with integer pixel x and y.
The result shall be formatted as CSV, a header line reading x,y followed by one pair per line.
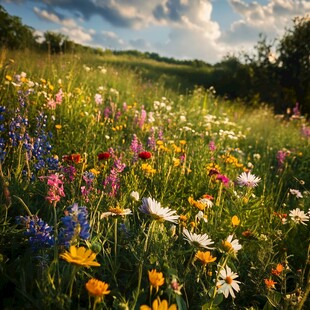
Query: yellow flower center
x,y
228,280
116,210
227,246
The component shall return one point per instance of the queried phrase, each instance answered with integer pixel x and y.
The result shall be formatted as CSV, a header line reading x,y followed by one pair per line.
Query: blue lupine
x,y
38,232
76,225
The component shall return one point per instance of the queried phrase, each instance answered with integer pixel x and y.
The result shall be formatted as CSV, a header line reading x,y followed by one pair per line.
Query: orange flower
x,y
183,218
97,289
270,283
205,257
156,279
278,270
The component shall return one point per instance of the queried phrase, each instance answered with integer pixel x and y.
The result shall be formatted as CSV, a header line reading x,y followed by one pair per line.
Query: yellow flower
x,y
232,160
159,142
97,289
159,305
183,218
156,279
58,126
205,257
148,169
176,162
191,200
80,256
176,148
8,77
235,221
182,142
94,171
213,168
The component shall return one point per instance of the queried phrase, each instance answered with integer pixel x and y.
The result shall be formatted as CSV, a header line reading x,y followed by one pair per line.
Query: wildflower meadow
x,y
120,193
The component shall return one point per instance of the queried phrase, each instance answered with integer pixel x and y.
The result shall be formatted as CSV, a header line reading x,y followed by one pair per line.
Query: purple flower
x,y
151,142
112,181
281,156
107,112
142,117
136,147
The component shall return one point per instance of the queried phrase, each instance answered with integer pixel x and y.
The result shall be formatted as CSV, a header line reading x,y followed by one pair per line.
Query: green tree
x,y
294,64
54,42
264,74
13,34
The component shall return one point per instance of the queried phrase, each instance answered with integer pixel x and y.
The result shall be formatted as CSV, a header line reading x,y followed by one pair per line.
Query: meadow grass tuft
x,y
119,192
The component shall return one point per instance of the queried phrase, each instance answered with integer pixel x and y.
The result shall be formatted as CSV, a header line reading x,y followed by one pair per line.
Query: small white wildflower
x,y
299,216
135,196
296,193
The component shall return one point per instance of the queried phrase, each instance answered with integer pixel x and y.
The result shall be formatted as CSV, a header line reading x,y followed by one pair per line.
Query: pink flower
x,y
223,178
98,99
56,189
212,146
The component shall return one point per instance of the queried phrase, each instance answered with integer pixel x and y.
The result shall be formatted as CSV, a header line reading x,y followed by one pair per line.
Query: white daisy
x,y
201,216
299,216
248,179
151,207
227,283
197,240
296,192
207,202
231,245
116,212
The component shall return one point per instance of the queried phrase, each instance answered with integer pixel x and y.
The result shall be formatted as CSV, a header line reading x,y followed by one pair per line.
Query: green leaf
x,y
181,303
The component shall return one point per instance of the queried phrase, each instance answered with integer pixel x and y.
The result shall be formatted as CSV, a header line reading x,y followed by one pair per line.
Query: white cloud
x,y
110,40
51,17
47,15
78,35
189,44
275,15
270,20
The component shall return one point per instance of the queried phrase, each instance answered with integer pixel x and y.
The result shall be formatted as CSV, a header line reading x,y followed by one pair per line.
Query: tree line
x,y
276,73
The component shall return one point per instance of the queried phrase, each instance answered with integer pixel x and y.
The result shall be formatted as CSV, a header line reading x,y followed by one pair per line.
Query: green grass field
x,y
126,185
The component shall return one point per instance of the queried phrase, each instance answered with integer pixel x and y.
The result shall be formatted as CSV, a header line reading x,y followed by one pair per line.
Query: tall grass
x,y
146,179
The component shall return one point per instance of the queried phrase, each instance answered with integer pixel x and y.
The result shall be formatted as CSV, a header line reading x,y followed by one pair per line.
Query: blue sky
x,y
183,29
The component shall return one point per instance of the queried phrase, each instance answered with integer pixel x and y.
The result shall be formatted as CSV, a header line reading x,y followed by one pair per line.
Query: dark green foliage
x,y
14,34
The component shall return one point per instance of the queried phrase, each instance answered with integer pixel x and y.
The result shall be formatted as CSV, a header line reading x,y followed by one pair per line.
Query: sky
x,y
207,30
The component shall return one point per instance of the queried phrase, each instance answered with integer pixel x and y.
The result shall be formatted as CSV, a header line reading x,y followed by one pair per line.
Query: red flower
x,y
206,196
104,155
76,158
145,155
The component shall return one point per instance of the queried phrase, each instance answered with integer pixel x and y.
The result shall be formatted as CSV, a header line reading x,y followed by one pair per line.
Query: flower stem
x,y
140,267
72,279
115,241
56,240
